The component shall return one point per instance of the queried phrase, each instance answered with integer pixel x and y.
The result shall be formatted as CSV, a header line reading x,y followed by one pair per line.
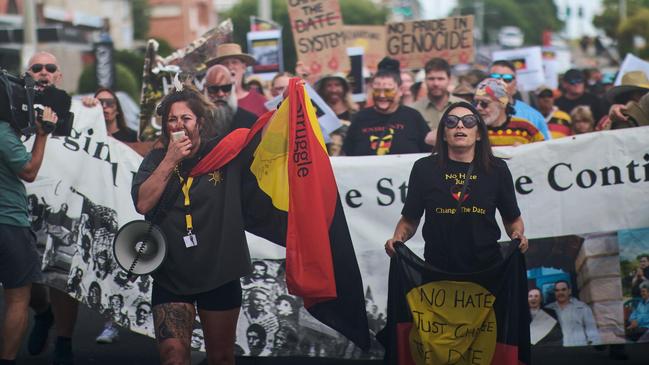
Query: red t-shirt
x,y
253,102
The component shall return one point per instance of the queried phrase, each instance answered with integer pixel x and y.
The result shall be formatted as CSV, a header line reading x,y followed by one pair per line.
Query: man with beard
x,y
334,90
387,127
438,78
493,103
231,56
576,318
220,89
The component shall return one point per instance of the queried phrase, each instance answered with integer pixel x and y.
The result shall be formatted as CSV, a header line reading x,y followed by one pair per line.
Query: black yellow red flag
x,y
291,168
436,317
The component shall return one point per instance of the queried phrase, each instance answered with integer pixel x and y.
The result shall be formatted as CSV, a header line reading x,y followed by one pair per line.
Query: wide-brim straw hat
x,y
226,50
631,81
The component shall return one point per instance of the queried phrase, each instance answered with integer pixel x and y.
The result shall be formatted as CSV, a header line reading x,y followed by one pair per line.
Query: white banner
x,y
529,66
587,183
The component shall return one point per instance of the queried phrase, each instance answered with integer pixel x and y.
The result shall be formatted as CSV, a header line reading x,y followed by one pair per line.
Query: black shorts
x,y
19,261
225,297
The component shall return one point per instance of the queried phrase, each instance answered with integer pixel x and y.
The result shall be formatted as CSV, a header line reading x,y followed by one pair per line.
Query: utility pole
x,y
622,10
29,33
264,9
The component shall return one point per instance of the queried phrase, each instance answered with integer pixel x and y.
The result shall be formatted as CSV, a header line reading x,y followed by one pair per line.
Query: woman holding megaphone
x,y
202,220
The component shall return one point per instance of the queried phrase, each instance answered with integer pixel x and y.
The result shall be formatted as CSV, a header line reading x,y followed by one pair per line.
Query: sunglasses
x,y
575,81
505,77
480,103
214,89
389,93
469,121
109,103
38,67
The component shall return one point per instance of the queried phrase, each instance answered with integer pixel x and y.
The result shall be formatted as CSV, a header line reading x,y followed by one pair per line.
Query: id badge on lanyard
x,y
190,238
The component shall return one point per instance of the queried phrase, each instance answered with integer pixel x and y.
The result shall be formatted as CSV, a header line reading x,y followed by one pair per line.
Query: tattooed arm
x,y
406,228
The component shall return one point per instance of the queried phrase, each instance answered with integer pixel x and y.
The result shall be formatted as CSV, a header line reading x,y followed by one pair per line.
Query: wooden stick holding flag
x,y
292,173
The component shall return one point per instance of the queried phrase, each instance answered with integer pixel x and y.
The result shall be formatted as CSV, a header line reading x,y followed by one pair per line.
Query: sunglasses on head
x,y
107,102
468,121
480,103
214,89
505,77
389,93
38,67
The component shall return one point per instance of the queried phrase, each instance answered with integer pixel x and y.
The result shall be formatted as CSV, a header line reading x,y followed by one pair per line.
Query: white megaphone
x,y
139,247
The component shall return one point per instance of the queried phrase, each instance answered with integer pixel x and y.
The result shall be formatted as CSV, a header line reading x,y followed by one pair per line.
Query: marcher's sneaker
x,y
110,334
38,336
63,351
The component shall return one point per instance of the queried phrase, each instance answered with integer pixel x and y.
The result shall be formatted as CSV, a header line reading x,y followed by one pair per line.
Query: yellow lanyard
x,y
185,188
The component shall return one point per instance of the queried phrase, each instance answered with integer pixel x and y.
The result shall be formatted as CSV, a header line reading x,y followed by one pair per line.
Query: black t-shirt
x,y
218,223
243,119
125,135
373,133
597,106
466,242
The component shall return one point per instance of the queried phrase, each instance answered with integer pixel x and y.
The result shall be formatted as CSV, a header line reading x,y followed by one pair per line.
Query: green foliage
x,y
125,81
531,16
164,48
609,20
133,60
636,25
359,12
140,14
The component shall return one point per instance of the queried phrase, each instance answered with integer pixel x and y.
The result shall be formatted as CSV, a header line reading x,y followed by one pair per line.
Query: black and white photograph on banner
x,y
574,290
634,263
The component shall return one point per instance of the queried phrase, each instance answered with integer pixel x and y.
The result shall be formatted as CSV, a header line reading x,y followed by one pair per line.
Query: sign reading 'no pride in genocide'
x,y
318,33
414,43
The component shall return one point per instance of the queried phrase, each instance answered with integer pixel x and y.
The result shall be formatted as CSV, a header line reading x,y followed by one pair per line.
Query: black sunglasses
x,y
214,89
480,103
505,77
469,121
106,102
50,67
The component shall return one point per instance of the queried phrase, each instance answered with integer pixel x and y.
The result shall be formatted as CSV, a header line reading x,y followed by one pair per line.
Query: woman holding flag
x,y
460,229
203,223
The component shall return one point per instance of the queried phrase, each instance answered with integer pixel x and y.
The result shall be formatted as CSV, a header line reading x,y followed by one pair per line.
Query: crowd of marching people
x,y
402,113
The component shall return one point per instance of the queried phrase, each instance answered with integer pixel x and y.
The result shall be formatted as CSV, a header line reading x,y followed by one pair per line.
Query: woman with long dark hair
x,y
463,169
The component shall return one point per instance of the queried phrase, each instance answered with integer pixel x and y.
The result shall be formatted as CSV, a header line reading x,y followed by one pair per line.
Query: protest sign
x,y
631,63
371,38
555,61
318,33
414,43
355,78
266,48
529,66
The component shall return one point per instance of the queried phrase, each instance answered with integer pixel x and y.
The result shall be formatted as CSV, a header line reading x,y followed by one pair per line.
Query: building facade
x,y
179,22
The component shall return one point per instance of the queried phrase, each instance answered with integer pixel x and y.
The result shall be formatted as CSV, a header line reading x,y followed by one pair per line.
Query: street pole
x,y
264,9
622,10
29,33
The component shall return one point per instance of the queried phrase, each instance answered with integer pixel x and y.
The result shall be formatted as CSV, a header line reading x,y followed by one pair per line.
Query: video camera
x,y
20,97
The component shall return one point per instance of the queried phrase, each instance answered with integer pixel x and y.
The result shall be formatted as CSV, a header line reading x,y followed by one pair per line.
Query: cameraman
x,y
19,261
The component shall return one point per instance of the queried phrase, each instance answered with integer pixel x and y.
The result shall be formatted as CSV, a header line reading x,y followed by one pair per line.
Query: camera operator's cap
x,y
495,89
574,76
227,50
544,91
631,81
335,76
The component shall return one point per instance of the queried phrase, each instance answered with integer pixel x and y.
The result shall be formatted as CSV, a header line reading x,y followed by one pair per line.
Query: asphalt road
x,y
134,349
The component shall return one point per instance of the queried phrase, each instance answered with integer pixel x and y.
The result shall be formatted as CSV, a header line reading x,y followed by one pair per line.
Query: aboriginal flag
x,y
292,175
435,317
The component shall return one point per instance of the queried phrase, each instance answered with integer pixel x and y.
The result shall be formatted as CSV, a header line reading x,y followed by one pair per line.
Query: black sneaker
x,y
38,336
63,352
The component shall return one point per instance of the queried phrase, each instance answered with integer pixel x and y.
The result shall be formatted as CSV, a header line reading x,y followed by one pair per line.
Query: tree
x,y
609,20
140,14
124,79
635,26
531,16
361,12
